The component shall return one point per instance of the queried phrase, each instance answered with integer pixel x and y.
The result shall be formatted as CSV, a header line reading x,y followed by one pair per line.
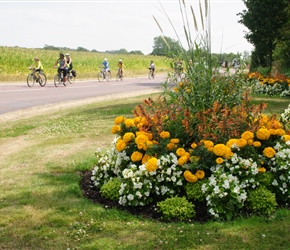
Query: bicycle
x,y
151,73
58,79
119,75
104,75
34,77
71,77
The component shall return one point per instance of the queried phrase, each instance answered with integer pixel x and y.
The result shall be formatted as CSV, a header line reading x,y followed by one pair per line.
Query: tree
x,y
166,46
264,19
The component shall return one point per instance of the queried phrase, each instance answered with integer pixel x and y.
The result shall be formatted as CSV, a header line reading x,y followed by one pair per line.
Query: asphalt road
x,y
18,96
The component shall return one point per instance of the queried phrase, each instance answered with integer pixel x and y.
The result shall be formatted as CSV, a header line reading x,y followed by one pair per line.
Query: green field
x,y
15,61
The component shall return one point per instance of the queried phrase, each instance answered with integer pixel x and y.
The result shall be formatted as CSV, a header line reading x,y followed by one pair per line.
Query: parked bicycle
x,y
120,75
34,77
58,78
151,73
104,75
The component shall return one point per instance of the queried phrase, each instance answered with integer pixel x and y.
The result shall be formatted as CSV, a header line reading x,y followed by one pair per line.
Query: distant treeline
x,y
120,51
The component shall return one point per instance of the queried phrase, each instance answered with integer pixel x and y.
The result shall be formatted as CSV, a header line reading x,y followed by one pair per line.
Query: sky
x,y
119,24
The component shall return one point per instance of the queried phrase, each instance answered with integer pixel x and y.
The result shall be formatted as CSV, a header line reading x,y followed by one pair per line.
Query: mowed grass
x,y
42,206
15,62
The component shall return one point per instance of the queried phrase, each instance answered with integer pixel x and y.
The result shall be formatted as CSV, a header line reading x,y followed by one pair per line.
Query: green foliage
x,y
194,192
110,190
262,201
176,208
264,71
265,179
166,46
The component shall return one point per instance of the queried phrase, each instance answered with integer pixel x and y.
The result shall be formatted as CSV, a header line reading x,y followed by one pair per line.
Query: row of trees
x,y
268,22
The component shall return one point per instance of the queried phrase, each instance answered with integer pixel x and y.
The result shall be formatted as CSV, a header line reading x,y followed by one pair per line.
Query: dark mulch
x,y
149,211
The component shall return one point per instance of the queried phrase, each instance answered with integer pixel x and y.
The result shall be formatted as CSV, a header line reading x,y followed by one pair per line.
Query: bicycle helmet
x,y
105,59
120,60
66,54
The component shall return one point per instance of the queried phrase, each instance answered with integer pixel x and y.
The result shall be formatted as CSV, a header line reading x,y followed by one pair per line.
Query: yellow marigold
x,y
231,142
121,145
280,132
257,144
136,156
137,120
274,124
286,138
119,120
261,170
174,140
193,145
228,153
182,160
141,138
170,146
180,151
219,160
129,136
241,143
269,152
247,135
144,121
263,134
273,131
220,149
189,176
200,174
207,143
146,158
151,164
164,134
129,123
250,142
116,129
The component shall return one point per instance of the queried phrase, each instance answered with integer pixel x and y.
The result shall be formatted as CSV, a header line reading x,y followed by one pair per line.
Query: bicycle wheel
x,y
42,82
100,76
30,80
57,80
71,79
108,76
149,74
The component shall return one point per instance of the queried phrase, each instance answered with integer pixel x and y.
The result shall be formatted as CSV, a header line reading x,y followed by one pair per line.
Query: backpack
x,y
74,73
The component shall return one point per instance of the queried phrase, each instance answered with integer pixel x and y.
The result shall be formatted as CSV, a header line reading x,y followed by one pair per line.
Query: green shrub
x,y
110,190
262,201
176,208
265,179
194,192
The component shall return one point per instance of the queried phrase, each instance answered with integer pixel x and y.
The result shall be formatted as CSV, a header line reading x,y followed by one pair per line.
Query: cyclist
x,y
62,66
68,62
37,68
106,68
120,67
152,67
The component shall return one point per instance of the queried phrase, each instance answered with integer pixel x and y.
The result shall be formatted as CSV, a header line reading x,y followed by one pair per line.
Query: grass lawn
x,y
42,206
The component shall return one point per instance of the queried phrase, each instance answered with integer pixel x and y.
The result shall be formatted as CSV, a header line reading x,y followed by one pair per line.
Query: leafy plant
x,y
262,201
176,208
194,191
110,190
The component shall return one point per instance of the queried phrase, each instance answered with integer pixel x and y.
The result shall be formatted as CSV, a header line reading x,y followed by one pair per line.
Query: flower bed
x,y
147,164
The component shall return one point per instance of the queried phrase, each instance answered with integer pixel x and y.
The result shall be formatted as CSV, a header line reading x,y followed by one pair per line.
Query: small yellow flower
x,y
286,138
164,134
182,160
189,176
151,164
247,135
180,151
121,145
136,156
146,158
280,132
269,152
263,134
261,170
116,129
129,136
241,143
219,160
174,140
129,123
257,144
170,146
119,120
193,145
231,142
200,174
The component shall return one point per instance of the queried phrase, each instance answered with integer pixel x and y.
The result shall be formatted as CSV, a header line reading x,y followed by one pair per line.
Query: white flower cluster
x,y
285,116
223,189
271,90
